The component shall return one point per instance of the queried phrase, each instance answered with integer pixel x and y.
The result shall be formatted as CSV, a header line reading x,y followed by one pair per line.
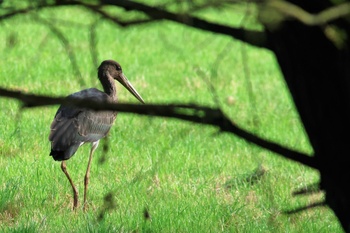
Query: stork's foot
x,y
75,191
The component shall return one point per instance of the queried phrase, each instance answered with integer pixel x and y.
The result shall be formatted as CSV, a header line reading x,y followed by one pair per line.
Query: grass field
x,y
158,175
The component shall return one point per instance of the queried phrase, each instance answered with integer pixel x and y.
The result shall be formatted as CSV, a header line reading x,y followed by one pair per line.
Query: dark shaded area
x,y
321,97
317,74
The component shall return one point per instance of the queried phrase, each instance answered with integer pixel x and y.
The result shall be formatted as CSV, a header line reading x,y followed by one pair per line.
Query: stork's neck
x,y
108,84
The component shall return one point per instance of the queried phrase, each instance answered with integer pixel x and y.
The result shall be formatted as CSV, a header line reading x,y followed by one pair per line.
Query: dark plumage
x,y
72,127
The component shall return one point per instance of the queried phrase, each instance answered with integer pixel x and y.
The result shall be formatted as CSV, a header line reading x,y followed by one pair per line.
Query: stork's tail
x,y
58,155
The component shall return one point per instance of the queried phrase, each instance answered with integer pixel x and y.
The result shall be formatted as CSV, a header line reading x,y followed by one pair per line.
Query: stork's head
x,y
112,69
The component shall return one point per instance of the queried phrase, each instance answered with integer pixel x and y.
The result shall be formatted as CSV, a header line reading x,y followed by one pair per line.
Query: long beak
x,y
125,82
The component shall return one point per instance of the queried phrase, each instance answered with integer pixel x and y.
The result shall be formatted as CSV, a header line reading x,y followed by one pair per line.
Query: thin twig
x,y
65,42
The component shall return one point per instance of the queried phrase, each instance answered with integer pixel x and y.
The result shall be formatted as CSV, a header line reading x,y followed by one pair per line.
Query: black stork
x,y
73,126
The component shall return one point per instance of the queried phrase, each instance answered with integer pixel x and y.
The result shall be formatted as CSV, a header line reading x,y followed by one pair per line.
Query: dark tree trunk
x,y
318,76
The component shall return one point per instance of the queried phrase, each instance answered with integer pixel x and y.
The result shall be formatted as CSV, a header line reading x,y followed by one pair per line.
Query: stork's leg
x,y
75,191
87,175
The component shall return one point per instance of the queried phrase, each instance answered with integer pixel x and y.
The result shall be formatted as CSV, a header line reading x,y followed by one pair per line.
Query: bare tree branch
x,y
105,15
186,112
256,38
252,37
289,10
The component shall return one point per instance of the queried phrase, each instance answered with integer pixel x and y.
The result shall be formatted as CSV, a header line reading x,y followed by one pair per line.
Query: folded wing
x,y
73,126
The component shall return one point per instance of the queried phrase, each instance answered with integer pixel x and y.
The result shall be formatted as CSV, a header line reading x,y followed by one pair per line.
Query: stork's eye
x,y
118,67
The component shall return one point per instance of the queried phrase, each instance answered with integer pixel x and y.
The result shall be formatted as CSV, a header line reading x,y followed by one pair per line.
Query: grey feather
x,y
72,126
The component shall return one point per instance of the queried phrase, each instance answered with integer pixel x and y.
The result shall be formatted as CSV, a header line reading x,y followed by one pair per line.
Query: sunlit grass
x,y
158,175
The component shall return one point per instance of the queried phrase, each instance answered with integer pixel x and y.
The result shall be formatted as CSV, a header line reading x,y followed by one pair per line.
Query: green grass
x,y
187,177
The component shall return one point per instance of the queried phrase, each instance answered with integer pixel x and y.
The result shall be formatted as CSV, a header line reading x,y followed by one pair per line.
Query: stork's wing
x,y
72,127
